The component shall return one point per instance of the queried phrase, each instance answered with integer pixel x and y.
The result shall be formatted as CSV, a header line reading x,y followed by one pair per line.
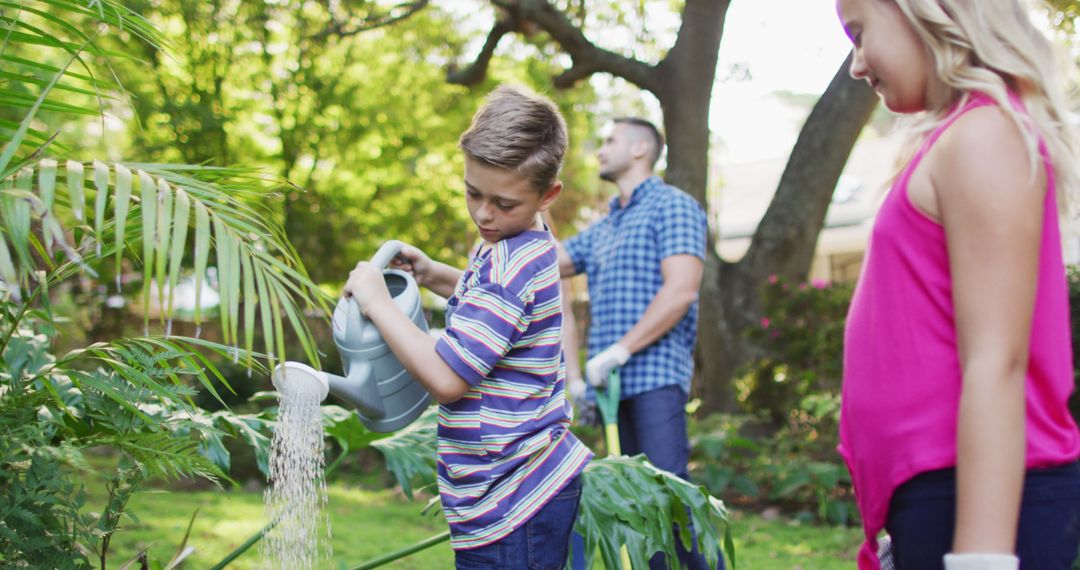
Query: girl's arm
x,y
992,211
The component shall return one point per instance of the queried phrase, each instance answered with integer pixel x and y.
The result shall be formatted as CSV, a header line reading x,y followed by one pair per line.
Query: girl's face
x,y
888,53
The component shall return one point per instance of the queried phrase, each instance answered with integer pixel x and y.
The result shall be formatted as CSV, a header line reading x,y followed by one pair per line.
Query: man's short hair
x,y
520,131
654,134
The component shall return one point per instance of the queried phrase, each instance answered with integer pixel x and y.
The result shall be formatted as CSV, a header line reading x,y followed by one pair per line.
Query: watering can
x,y
383,393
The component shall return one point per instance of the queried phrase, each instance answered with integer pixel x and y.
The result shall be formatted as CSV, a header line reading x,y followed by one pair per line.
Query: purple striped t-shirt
x,y
505,448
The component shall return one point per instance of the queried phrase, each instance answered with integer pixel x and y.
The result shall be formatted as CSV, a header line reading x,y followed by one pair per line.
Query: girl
x,y
958,362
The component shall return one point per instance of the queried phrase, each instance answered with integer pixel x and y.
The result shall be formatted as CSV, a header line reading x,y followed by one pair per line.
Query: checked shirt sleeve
x,y
579,248
488,321
683,228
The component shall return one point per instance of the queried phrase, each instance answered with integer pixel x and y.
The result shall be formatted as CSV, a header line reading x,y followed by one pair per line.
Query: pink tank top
x,y
902,374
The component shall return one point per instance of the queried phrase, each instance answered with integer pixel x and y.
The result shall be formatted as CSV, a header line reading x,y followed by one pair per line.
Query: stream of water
x,y
296,496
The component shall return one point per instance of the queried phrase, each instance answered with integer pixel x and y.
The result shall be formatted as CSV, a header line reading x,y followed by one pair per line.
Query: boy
x,y
508,465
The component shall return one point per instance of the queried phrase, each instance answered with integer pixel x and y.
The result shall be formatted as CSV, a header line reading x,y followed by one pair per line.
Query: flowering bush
x,y
782,451
801,336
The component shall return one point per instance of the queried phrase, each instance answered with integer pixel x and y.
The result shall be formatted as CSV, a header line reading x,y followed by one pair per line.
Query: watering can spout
x,y
385,396
359,391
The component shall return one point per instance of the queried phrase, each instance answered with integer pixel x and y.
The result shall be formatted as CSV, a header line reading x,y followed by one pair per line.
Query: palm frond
x,y
257,268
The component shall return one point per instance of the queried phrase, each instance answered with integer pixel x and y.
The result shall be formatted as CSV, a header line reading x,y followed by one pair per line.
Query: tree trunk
x,y
785,239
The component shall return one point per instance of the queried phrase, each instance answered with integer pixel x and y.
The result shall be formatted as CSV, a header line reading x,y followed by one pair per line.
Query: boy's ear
x,y
549,195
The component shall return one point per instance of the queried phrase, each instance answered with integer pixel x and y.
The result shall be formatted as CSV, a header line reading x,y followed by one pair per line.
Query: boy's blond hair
x,y
520,131
991,46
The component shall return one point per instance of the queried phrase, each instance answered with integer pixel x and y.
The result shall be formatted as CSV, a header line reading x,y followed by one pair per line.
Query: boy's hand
x,y
367,286
410,259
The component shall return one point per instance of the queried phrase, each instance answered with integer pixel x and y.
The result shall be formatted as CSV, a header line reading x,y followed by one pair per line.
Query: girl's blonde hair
x,y
991,46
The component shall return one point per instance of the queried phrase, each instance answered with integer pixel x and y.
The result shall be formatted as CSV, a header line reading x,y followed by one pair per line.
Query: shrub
x,y
783,450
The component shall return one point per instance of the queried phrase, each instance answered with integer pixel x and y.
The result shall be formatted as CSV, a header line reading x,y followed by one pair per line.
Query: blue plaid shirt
x,y
621,255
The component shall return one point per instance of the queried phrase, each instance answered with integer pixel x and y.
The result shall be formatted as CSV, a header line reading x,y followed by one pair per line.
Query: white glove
x,y
600,366
971,561
575,388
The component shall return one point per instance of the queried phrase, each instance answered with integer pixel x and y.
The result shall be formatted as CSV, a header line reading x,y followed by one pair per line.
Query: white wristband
x,y
973,561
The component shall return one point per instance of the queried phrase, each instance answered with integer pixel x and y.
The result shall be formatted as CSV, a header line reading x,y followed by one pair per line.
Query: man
x,y
644,262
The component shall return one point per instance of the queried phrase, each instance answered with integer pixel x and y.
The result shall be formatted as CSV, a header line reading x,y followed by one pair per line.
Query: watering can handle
x,y
386,253
354,321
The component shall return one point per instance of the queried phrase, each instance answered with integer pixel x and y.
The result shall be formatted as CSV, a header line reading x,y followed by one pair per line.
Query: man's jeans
x,y
654,423
540,544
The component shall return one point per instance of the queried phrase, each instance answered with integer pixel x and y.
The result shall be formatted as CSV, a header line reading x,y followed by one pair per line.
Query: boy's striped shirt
x,y
505,448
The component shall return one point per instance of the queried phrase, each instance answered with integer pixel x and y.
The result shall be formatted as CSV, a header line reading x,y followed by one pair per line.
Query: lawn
x,y
367,523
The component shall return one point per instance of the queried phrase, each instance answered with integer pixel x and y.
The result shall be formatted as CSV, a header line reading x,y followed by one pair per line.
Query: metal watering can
x,y
383,393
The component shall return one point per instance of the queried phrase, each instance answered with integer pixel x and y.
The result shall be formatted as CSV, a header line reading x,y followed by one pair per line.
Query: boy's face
x,y
502,203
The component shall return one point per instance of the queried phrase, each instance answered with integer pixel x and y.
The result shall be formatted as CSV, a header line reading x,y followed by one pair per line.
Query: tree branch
x,y
476,71
396,14
587,57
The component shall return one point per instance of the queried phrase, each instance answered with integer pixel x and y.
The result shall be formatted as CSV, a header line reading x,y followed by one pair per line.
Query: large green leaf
x,y
410,453
626,501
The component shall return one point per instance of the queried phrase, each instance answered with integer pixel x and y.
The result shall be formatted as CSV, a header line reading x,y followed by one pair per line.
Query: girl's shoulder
x,y
981,155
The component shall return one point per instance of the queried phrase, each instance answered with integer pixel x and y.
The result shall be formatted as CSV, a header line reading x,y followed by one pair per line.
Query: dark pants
x,y
922,517
654,423
540,544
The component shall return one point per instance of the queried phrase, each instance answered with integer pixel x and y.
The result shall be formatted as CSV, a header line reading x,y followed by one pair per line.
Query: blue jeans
x,y
922,516
654,423
539,544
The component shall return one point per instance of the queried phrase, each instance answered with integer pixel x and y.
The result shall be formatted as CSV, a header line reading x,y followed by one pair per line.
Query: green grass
x,y
365,524
784,544
370,522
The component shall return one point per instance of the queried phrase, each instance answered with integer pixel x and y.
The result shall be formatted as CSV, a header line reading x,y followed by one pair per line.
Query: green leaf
x,y
179,240
626,501
225,278
7,268
249,305
122,201
75,188
148,193
411,453
101,183
265,309
202,252
161,249
47,188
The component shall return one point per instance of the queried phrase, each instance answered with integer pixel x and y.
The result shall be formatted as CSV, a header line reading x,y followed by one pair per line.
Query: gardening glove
x,y
584,410
599,367
971,561
575,388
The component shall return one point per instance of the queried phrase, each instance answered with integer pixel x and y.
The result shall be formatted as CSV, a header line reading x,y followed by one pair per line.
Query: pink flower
x,y
773,279
765,322
819,283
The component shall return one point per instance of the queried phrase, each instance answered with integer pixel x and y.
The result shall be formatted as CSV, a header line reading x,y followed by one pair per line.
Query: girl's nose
x,y
858,67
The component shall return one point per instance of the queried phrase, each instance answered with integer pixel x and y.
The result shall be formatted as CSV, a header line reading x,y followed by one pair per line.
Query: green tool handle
x,y
607,399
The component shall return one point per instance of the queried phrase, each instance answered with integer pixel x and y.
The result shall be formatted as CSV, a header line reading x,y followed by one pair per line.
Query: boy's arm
x,y
442,279
412,346
439,278
416,351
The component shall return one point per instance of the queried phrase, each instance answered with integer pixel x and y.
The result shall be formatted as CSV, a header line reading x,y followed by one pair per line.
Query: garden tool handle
x,y
386,253
607,399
